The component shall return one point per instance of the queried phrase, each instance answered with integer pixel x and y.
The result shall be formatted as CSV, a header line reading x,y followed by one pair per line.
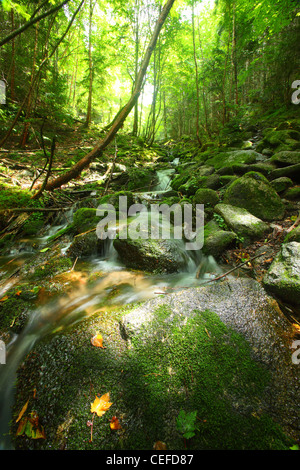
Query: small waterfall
x,y
164,179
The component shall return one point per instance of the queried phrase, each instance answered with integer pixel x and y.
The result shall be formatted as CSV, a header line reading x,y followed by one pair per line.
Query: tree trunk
x,y
98,149
91,71
196,78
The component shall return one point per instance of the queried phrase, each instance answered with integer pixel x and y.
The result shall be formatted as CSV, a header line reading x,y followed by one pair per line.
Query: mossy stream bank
x,y
222,351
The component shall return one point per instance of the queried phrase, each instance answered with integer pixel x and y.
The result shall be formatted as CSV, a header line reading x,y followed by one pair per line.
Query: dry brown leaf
x,y
115,424
159,445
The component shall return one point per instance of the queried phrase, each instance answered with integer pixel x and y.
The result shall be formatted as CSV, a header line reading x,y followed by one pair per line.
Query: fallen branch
x,y
32,209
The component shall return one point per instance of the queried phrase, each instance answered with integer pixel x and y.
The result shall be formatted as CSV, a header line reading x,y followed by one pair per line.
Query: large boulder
x,y
283,276
242,305
254,193
286,158
242,222
152,255
235,157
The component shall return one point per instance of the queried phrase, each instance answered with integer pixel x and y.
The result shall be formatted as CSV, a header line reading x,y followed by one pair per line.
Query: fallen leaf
x,y
30,427
159,445
97,341
18,292
115,424
4,298
22,411
101,405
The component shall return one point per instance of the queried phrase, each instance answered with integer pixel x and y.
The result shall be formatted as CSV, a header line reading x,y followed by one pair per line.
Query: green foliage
x,y
186,423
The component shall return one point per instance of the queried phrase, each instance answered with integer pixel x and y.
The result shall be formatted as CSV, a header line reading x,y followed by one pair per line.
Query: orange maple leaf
x,y
97,341
101,405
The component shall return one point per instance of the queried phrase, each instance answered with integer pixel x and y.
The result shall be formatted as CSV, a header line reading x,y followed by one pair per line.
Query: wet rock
x,y
163,256
242,222
283,276
85,245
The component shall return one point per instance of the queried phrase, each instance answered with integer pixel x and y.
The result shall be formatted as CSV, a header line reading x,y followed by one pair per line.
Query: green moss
x,y
206,196
85,219
53,266
197,366
254,193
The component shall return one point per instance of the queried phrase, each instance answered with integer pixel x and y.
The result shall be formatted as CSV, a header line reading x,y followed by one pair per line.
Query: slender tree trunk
x,y
91,71
12,76
98,149
196,77
45,60
25,133
136,66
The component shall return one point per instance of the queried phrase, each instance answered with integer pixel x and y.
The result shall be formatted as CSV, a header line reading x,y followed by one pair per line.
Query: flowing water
x,y
128,286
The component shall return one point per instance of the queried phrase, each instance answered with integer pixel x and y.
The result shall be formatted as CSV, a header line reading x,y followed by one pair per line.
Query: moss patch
x,y
195,365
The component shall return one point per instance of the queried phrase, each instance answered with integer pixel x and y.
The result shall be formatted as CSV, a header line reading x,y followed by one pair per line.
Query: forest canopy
x,y
216,63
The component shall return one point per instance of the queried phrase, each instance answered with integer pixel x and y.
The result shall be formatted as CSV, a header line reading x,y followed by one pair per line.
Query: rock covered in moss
x,y
85,219
286,158
151,255
293,235
242,222
283,276
292,194
216,240
254,193
281,184
235,157
206,196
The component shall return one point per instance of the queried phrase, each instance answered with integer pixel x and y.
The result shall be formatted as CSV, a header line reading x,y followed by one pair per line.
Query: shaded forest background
x,y
217,65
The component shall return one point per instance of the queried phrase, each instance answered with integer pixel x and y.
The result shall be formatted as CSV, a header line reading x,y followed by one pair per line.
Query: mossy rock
x,y
227,159
216,240
114,200
292,194
85,219
275,137
242,222
286,158
293,235
206,196
254,193
151,255
178,181
283,276
281,184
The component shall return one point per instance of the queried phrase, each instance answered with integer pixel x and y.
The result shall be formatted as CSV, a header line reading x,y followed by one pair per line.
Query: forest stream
x,y
64,311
